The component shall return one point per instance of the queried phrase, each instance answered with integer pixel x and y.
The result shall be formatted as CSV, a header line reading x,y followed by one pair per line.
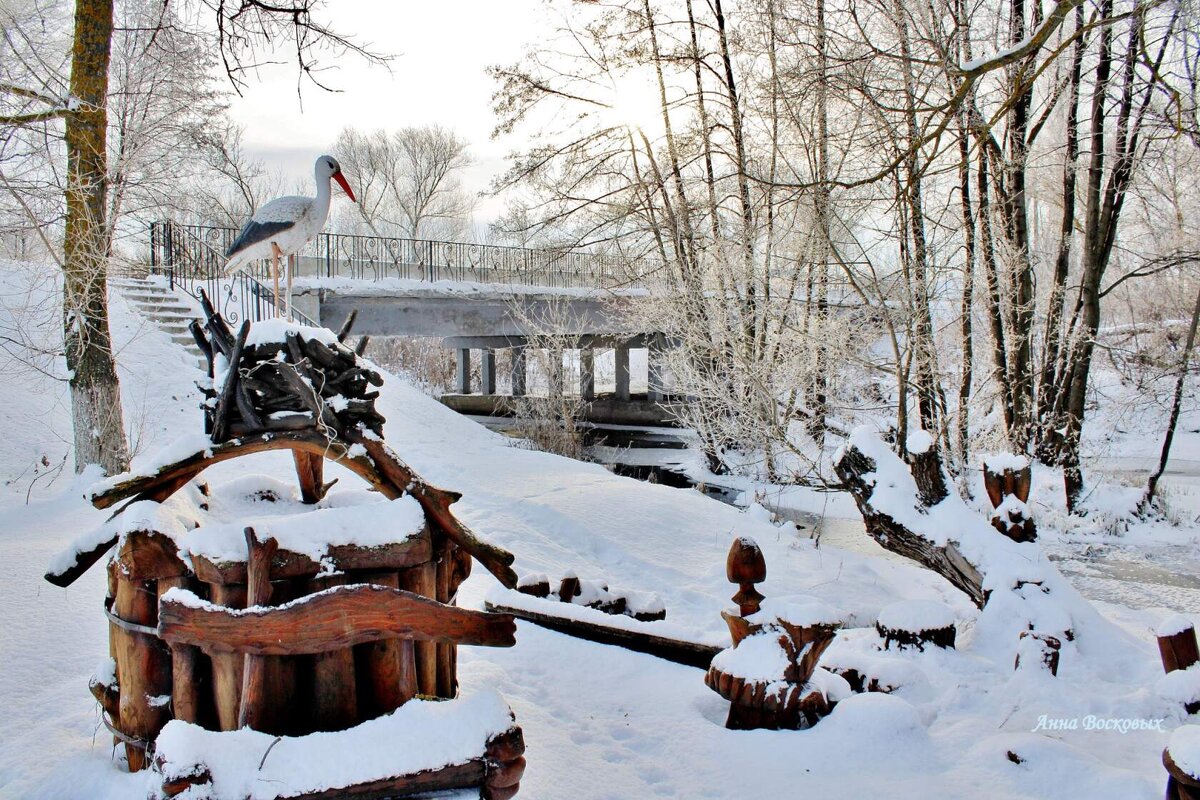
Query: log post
x,y
422,580
447,682
388,672
253,707
310,470
185,680
1177,644
746,566
227,667
335,694
143,667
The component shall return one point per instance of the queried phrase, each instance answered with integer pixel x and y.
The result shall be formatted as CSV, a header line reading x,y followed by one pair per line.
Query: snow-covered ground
x,y
600,722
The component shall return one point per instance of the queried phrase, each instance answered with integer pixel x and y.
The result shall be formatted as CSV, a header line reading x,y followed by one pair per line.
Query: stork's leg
x,y
291,267
275,253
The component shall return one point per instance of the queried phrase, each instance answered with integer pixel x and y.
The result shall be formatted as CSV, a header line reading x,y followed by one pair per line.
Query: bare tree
x,y
411,179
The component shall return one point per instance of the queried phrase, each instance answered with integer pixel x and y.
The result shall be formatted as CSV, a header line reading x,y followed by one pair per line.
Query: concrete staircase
x,y
162,306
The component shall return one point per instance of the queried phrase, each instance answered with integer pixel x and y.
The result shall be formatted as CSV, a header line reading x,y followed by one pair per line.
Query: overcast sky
x,y
442,49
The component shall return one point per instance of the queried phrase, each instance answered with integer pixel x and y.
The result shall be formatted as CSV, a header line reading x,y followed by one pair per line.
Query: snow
x,y
1176,623
421,734
270,331
1185,749
915,616
1180,686
309,532
919,441
758,657
603,722
998,462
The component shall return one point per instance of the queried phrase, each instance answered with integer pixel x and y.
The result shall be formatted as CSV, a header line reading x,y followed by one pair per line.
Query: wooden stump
x,y
1042,646
1179,649
1180,785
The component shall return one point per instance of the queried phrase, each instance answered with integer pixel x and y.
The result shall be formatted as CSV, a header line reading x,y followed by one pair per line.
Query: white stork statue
x,y
284,225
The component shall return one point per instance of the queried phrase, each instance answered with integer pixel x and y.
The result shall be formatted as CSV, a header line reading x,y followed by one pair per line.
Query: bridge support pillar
x,y
654,373
487,370
462,370
621,356
587,373
555,357
519,371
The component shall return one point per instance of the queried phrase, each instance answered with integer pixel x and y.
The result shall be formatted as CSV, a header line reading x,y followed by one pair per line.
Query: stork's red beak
x,y
341,179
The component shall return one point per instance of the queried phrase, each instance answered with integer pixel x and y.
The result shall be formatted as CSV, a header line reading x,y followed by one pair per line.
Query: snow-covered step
x,y
164,307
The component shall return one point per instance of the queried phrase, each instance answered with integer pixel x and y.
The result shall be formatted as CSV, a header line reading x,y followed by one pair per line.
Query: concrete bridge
x,y
477,325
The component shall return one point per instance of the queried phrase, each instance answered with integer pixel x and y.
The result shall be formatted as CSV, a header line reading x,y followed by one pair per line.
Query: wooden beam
x,y
691,654
331,620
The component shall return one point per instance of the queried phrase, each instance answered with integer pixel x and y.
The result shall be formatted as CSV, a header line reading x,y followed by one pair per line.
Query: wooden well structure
x,y
273,639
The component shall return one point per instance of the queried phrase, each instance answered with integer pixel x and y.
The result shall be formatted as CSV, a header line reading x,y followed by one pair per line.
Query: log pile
x,y
792,700
296,384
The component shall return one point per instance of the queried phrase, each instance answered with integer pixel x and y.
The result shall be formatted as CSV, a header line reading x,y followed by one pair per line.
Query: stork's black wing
x,y
256,232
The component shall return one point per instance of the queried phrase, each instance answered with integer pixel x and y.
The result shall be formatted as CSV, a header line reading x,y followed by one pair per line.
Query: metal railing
x,y
193,261
378,258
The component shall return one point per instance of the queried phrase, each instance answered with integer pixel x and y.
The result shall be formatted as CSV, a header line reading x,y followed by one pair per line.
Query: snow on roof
x,y
420,735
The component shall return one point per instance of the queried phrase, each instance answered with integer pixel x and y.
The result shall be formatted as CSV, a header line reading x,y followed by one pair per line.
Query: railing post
x,y
329,255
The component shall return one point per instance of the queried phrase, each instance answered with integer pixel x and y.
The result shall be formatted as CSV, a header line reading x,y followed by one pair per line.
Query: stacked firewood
x,y
295,384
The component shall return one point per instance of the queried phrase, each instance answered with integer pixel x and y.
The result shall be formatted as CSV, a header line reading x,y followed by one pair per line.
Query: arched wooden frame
x,y
378,465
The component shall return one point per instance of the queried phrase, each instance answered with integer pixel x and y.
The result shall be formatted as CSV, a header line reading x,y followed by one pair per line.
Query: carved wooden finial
x,y
746,566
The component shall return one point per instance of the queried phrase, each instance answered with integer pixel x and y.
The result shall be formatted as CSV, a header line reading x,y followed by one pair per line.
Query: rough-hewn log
x,y
287,564
388,672
310,470
228,398
186,682
447,682
692,654
143,668
946,560
253,704
334,701
226,665
422,580
331,620
149,555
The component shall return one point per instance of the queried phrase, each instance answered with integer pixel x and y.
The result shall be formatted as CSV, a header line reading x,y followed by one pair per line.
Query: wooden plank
x,y
691,654
287,564
330,621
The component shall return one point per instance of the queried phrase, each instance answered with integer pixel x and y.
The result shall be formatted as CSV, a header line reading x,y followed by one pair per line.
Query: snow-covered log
x,y
1012,581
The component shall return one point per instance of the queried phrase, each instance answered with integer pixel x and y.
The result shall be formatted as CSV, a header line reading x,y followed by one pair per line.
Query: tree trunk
x,y
1176,405
95,391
